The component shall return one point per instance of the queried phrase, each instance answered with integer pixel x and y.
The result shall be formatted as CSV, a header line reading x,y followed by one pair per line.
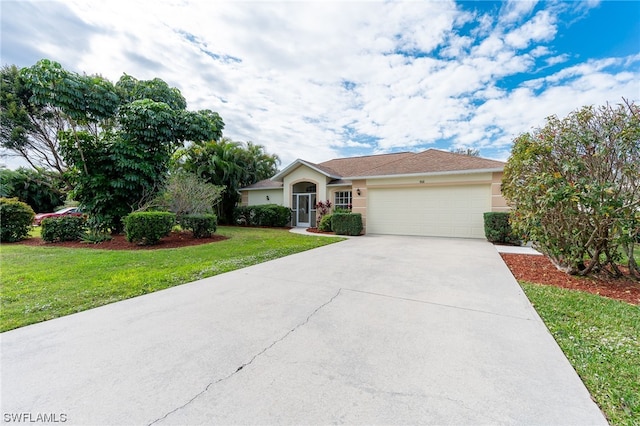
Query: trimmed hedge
x,y
63,228
16,219
262,215
147,228
497,228
200,225
346,223
325,223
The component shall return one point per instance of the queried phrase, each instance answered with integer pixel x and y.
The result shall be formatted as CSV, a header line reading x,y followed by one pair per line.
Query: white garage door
x,y
445,211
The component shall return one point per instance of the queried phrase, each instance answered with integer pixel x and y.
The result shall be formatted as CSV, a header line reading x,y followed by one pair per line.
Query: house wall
x,y
498,203
360,201
258,197
304,174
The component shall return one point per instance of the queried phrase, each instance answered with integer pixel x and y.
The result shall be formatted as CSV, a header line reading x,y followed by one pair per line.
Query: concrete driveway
x,y
373,330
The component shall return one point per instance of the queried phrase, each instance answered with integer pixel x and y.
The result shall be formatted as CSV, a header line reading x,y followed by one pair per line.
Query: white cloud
x,y
418,73
541,28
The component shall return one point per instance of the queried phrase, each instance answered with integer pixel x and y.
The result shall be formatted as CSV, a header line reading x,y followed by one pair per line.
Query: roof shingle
x,y
429,161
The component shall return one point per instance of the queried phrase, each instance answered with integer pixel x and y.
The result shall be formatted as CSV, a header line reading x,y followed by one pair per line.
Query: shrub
x,y
200,225
497,228
263,215
63,228
325,223
347,223
16,219
147,228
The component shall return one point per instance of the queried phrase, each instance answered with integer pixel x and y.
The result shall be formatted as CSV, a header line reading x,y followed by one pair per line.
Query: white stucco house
x,y
429,193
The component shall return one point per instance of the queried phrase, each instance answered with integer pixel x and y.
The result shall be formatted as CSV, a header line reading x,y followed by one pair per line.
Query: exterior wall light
x,y
267,198
358,191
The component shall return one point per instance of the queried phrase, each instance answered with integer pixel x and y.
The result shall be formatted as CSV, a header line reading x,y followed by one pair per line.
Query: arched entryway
x,y
303,204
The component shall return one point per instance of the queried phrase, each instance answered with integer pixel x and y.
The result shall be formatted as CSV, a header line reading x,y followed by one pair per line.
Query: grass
x,y
42,283
601,339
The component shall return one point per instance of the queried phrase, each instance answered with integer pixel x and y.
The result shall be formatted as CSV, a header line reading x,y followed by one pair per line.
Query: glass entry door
x,y
304,210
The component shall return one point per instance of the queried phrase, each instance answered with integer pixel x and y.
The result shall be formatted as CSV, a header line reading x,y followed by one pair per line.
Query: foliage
x,y
497,228
42,190
95,237
114,143
200,225
63,228
599,336
185,194
41,283
347,223
325,223
574,188
472,152
233,165
16,219
262,215
322,208
27,129
147,228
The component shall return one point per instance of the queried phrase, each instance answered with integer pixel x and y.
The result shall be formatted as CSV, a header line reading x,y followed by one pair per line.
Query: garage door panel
x,y
452,211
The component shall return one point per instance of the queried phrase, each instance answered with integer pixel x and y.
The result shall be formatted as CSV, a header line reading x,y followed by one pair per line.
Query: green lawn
x,y
601,339
41,283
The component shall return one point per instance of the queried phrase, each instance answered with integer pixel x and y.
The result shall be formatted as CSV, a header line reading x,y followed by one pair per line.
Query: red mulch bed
x,y
540,270
119,242
317,231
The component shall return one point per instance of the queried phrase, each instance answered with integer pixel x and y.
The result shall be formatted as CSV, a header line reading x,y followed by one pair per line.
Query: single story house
x,y
429,193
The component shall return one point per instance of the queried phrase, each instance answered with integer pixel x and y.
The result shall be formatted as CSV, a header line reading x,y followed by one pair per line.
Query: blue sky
x,y
320,80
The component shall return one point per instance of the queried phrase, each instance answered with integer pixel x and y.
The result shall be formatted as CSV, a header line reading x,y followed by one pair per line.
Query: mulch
x,y
540,270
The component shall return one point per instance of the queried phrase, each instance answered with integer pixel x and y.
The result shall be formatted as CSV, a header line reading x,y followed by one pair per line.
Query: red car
x,y
67,211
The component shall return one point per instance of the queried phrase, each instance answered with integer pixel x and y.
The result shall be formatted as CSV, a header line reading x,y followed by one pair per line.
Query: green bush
x,y
497,228
16,219
147,228
263,215
347,223
201,225
63,228
325,223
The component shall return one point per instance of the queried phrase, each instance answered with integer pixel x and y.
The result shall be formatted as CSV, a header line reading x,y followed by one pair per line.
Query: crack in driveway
x,y
426,302
228,376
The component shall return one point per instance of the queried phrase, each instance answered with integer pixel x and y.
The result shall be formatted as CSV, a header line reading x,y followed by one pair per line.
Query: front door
x,y
304,210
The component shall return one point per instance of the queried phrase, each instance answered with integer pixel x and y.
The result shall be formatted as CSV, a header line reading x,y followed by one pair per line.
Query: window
x,y
342,200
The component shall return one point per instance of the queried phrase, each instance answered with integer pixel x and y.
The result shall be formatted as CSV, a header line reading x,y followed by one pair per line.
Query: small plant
x,y
64,228
16,218
201,225
325,223
147,228
497,228
95,237
347,223
322,208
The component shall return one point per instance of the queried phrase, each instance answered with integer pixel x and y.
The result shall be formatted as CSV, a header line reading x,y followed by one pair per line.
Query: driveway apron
x,y
373,330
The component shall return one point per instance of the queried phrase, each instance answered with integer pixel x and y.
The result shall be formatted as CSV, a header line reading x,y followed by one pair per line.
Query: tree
x,y
230,164
27,129
574,187
116,140
42,190
472,152
186,194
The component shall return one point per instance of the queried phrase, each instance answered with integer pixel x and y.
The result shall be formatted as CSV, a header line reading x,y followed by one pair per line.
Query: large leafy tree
x,y
28,129
230,164
116,140
574,187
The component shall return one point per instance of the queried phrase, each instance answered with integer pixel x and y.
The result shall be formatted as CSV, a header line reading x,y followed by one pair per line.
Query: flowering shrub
x,y
322,208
